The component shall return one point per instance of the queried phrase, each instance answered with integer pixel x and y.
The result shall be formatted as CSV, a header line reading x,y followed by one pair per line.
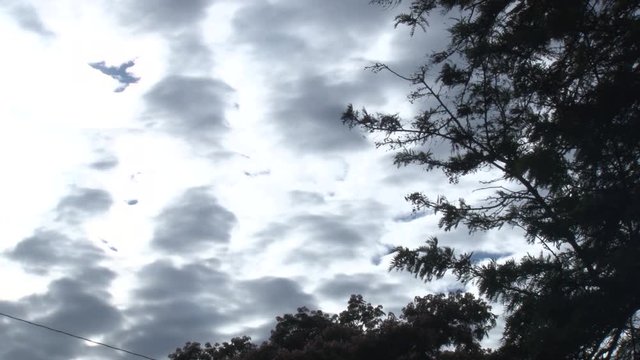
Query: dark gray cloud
x,y
21,341
304,41
163,281
351,24
193,222
178,22
307,115
329,229
79,309
73,304
94,278
386,249
27,17
175,304
351,231
163,15
341,286
304,44
326,236
48,250
83,203
393,290
190,107
171,305
308,101
120,73
193,302
189,53
160,328
374,288
273,295
411,52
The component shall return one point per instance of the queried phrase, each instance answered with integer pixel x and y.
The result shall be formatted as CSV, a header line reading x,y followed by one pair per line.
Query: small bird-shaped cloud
x,y
119,73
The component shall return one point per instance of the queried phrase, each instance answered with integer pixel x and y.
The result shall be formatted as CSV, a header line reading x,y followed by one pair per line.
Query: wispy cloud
x,y
27,17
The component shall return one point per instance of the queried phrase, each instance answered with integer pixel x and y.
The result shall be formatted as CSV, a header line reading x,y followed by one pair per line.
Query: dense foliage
x,y
546,94
430,327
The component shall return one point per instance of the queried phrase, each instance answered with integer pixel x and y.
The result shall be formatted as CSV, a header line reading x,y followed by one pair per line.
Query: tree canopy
x,y
431,327
546,94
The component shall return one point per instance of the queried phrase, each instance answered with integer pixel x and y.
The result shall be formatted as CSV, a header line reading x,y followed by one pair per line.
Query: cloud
x,y
410,216
174,304
306,197
490,244
304,54
349,233
325,236
292,22
119,73
393,290
478,256
160,328
48,250
409,177
329,229
313,58
74,304
163,281
385,250
170,306
273,295
193,222
79,309
24,342
27,17
190,107
178,23
307,114
194,302
341,286
106,163
83,203
274,231
163,15
188,53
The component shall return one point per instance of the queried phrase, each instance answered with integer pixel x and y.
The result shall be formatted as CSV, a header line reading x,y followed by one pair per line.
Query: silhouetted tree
x,y
294,331
232,350
546,94
361,314
431,327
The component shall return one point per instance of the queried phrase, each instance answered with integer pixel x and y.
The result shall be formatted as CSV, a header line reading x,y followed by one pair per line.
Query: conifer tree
x,y
547,94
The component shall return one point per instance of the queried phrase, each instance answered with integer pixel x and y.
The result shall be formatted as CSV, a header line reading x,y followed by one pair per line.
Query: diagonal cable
x,y
76,336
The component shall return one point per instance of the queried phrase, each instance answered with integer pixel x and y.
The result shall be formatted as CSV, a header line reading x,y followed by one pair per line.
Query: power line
x,y
76,336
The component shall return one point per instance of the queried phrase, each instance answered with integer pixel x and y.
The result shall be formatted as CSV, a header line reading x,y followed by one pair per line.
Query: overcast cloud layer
x,y
220,189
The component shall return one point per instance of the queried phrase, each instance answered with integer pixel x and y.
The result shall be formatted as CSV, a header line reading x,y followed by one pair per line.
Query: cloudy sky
x,y
177,170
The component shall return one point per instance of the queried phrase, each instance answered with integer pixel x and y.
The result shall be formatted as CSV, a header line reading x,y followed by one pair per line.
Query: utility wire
x,y
76,336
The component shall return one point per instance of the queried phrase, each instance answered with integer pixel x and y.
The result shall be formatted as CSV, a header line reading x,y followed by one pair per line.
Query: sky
x,y
177,170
